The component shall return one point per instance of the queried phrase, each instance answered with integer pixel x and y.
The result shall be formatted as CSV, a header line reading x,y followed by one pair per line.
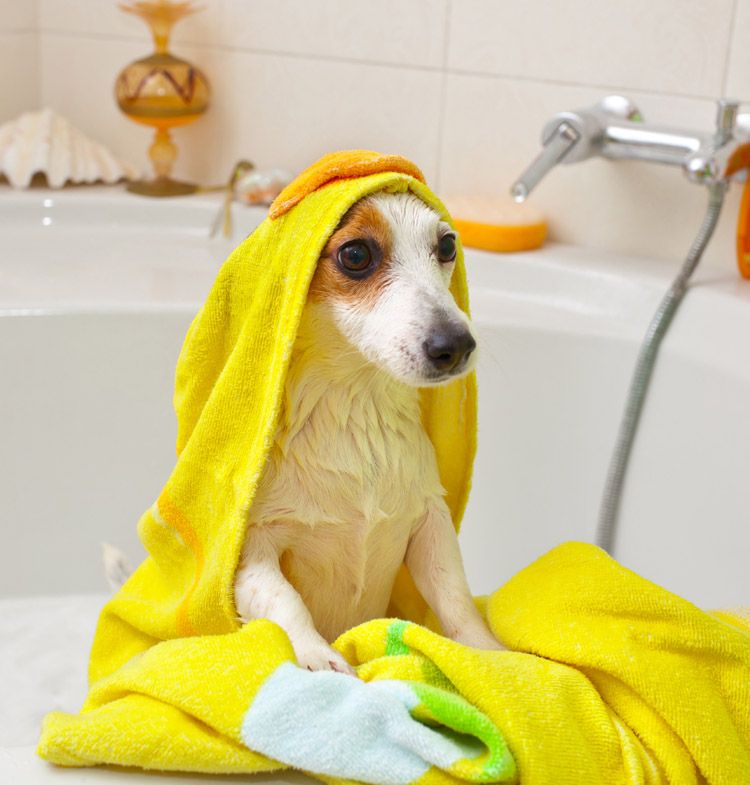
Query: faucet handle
x,y
726,118
725,155
557,144
574,136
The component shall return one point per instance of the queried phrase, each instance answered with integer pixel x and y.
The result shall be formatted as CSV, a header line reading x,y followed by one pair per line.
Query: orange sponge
x,y
497,224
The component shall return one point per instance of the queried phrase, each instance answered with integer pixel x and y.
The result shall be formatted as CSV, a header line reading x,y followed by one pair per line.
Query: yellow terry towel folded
x,y
613,680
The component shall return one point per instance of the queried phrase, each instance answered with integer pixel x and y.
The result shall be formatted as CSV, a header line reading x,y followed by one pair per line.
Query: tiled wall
x,y
19,77
461,86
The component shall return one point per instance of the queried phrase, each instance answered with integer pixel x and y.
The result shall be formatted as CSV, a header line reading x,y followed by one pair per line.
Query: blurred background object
x,y
250,187
45,147
162,91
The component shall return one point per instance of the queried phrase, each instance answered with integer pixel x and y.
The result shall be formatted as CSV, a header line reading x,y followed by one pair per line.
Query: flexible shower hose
x,y
608,513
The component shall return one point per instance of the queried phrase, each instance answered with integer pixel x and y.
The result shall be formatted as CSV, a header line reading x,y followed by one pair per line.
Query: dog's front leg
x,y
434,561
262,592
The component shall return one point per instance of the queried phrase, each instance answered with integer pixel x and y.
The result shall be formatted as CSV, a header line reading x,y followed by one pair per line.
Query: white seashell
x,y
48,143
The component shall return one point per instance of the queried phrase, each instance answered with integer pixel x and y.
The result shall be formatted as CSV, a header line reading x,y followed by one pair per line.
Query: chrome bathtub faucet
x,y
614,128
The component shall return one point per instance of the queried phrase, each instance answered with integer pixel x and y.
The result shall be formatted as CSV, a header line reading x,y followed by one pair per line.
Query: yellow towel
x,y
620,681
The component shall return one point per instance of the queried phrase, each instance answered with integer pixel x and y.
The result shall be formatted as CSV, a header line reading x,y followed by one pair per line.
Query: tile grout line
x,y
585,85
382,64
728,59
245,50
38,53
443,95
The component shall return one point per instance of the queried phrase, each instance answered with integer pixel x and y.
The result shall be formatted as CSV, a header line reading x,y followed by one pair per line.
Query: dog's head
x,y
383,280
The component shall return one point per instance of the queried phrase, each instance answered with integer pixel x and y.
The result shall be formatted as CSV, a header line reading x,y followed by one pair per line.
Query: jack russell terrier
x,y
351,489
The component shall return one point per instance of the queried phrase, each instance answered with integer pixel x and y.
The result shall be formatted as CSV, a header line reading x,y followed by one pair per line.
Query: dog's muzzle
x,y
449,347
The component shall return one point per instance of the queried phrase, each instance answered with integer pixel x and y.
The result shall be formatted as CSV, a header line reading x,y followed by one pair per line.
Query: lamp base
x,y
161,186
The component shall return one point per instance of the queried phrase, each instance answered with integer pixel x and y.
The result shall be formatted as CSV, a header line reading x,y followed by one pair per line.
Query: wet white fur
x,y
351,488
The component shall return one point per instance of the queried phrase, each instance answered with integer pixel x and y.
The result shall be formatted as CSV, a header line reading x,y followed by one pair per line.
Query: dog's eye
x,y
447,248
355,257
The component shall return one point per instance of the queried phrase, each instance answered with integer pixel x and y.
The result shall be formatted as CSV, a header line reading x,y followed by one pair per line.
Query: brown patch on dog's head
x,y
363,221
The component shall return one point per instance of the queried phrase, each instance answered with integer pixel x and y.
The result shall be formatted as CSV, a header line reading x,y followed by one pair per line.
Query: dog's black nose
x,y
449,346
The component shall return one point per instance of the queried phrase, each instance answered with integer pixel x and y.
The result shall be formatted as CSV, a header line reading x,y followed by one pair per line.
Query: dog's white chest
x,y
350,473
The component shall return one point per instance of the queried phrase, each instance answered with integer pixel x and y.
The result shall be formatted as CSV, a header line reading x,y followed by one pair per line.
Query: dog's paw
x,y
478,637
321,657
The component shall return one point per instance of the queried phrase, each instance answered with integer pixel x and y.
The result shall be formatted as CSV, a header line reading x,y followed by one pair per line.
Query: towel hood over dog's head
x,y
229,384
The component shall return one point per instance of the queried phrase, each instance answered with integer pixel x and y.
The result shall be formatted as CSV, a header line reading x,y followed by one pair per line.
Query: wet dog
x,y
351,490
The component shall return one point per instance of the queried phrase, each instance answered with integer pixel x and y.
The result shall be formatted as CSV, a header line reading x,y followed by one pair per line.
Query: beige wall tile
x,y
656,45
275,110
18,15
387,31
83,90
738,72
287,111
104,18
89,17
491,134
19,90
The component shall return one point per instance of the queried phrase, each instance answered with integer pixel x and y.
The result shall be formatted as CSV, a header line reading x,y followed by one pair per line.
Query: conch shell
x,y
45,142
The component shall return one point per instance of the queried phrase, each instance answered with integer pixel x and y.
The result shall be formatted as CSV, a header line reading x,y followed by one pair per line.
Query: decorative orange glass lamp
x,y
162,91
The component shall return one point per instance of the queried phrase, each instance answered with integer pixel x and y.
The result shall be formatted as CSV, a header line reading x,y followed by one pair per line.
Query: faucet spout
x,y
556,146
615,129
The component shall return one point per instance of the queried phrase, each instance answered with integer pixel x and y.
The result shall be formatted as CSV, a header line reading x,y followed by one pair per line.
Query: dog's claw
x,y
321,657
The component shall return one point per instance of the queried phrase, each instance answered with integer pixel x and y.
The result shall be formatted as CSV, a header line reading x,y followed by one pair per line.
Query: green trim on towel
x,y
394,645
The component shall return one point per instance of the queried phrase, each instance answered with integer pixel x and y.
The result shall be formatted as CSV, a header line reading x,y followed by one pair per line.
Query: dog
x,y
351,490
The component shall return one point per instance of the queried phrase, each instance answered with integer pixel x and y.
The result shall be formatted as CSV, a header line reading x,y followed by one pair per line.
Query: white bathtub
x,y
97,288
